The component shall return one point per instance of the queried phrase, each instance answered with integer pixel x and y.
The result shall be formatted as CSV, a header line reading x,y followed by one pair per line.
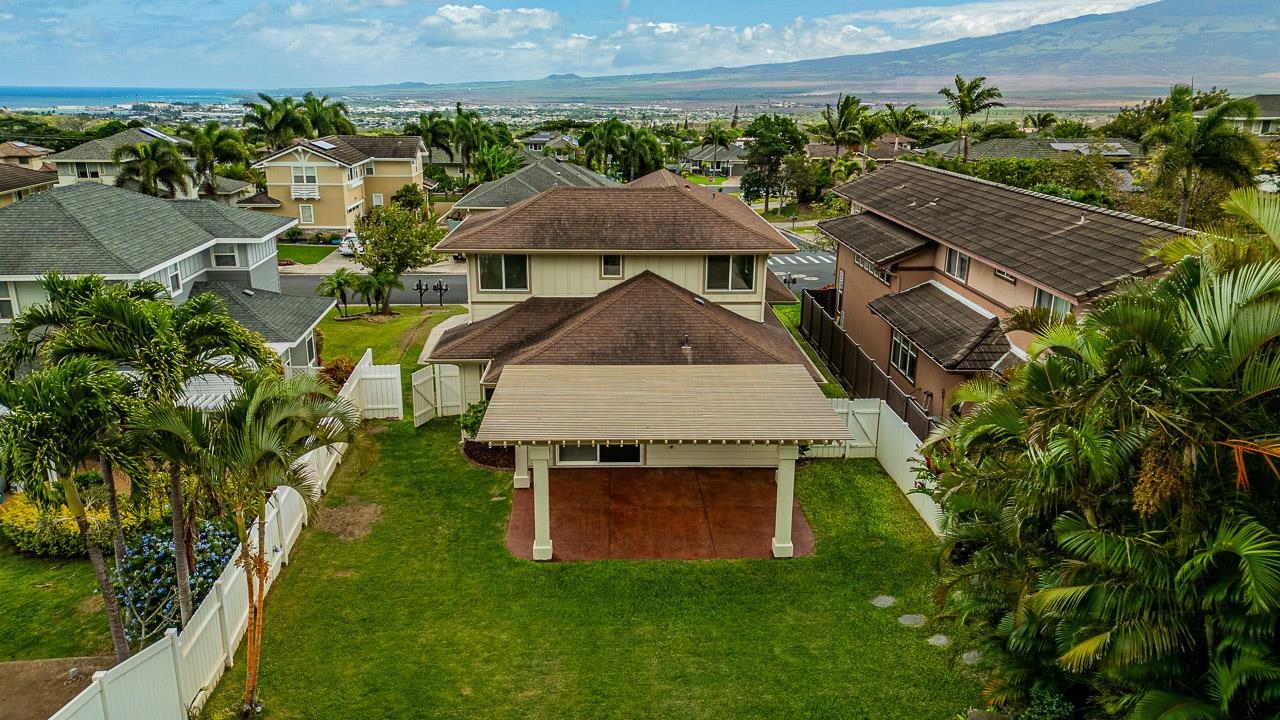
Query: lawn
x,y
790,316
428,615
304,254
49,608
397,339
704,180
784,213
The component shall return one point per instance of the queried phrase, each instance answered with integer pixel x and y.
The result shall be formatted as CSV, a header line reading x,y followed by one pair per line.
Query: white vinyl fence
x,y
879,433
172,678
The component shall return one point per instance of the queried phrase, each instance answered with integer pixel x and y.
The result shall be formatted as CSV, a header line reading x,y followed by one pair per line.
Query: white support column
x,y
786,480
522,466
539,458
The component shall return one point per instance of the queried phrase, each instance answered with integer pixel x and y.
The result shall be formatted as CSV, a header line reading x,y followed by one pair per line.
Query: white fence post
x,y
224,625
282,534
175,651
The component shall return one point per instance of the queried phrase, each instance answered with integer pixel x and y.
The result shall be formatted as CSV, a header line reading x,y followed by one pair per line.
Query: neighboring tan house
x,y
91,162
526,182
716,160
550,143
886,148
1266,125
17,182
629,328
330,182
189,246
932,261
23,154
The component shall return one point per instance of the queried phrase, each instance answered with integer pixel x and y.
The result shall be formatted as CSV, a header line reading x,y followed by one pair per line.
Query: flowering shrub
x,y
147,584
54,533
337,371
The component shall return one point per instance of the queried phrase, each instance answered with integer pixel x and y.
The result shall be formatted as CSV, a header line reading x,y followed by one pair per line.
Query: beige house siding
x,y
686,456
579,276
388,177
337,194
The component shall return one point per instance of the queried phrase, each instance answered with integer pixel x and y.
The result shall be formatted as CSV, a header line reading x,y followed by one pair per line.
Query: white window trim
x,y
706,274
304,168
579,463
1007,277
621,269
871,269
900,339
215,254
1052,301
305,210
377,200
10,295
968,262
174,270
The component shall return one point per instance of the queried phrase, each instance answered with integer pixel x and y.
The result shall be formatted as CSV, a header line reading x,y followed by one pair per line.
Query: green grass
x,y
304,254
429,616
790,316
704,180
397,339
784,213
49,608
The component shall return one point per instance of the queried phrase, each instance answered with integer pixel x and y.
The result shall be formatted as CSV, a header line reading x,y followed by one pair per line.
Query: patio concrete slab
x,y
657,513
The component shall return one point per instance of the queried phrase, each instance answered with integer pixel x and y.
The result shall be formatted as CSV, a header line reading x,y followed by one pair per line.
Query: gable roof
x,y
873,237
228,186
354,149
102,149
1043,148
529,181
261,199
1268,106
282,319
616,327
944,327
733,153
90,228
14,177
18,148
1072,248
634,218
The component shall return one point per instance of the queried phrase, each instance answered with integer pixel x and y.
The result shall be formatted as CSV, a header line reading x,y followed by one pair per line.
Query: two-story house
x,y
525,183
716,160
930,262
329,182
629,327
17,182
189,246
23,154
92,162
555,144
1266,124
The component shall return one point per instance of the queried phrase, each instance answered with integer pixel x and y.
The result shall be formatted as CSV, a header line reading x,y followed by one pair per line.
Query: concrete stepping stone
x,y
883,601
971,657
939,640
911,620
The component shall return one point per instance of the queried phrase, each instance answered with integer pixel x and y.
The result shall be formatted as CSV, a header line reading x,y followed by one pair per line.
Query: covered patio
x,y
658,460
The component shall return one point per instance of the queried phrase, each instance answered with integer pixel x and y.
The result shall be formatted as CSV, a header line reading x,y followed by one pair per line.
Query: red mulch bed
x,y
494,458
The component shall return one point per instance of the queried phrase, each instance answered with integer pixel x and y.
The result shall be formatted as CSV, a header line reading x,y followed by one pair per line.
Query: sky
x,y
333,43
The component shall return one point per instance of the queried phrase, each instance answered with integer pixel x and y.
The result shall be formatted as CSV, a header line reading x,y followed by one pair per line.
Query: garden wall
x,y
171,679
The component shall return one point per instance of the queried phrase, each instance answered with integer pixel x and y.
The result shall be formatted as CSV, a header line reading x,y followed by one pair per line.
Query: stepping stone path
x,y
971,657
911,620
883,601
939,640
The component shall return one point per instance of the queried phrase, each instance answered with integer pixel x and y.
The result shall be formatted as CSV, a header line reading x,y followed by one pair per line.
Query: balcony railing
x,y
304,191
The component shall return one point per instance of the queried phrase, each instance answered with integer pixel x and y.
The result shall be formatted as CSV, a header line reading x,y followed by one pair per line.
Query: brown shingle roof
x,y
261,199
628,219
1076,249
18,148
776,292
620,326
953,334
13,177
873,237
399,147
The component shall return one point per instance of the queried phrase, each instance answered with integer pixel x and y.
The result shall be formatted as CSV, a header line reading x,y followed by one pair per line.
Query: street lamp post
x,y
441,288
422,290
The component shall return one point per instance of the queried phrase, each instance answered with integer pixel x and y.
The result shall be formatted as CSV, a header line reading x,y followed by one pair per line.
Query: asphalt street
x,y
456,294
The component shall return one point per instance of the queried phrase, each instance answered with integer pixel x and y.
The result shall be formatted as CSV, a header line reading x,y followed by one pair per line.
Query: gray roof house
x,y
189,246
730,161
528,181
1266,124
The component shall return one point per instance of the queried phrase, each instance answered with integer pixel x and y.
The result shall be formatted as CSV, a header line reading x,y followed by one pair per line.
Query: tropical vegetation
x,y
968,98
157,168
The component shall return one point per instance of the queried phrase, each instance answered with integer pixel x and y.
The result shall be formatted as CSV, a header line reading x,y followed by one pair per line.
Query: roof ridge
x,y
777,235
581,316
977,340
68,212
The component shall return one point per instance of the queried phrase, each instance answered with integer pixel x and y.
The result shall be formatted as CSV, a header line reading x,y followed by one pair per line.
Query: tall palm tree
x,y
275,122
602,143
436,132
213,144
900,121
718,136
836,124
640,153
469,134
676,149
327,118
1040,122
339,286
60,417
157,167
1210,146
969,98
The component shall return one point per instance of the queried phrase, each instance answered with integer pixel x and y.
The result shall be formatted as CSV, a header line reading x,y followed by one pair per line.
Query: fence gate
x,y
437,392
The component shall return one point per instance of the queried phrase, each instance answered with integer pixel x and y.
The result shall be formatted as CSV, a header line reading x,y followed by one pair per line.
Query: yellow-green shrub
x,y
54,533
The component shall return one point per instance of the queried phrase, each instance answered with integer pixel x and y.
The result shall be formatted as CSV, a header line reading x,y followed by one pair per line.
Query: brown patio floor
x,y
657,513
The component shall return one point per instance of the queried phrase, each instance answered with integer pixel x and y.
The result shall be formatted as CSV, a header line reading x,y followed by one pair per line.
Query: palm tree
x,y
864,133
676,149
900,122
338,286
436,132
837,123
327,118
969,98
602,143
1040,122
60,417
157,167
469,134
640,153
275,122
493,161
213,144
1210,146
719,137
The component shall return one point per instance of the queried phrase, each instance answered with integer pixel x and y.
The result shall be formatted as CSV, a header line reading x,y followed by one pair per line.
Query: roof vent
x,y
248,292
1082,220
911,204
699,299
685,344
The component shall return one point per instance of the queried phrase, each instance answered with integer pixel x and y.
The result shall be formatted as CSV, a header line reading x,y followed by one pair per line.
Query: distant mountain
x,y
1232,43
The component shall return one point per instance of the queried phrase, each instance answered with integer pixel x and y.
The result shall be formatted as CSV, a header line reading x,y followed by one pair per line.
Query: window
x,y
731,272
306,214
225,256
840,281
840,320
175,279
304,174
368,169
902,355
870,267
611,266
6,301
503,272
311,349
957,265
1056,304
602,454
87,170
377,199
1006,277
353,173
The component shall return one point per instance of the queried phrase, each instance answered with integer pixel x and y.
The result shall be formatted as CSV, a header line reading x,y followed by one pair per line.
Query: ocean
x,y
74,98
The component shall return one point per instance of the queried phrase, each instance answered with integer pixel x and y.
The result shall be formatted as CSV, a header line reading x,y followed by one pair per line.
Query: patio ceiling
x,y
661,404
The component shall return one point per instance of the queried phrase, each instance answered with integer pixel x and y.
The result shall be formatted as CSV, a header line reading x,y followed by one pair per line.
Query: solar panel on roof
x,y
323,144
158,135
19,143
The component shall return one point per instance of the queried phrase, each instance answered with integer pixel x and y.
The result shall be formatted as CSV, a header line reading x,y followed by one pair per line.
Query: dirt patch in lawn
x,y
351,520
35,689
490,458
91,605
